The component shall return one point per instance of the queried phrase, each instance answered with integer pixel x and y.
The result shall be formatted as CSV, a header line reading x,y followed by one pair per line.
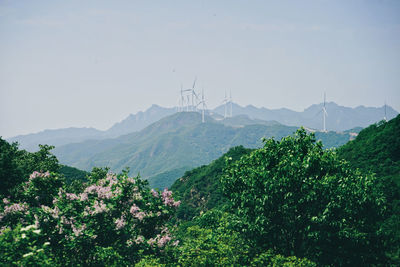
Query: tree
x,y
16,165
10,173
303,201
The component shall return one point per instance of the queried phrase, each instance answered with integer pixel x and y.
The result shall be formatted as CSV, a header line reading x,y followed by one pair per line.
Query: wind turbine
x,y
225,102
191,96
194,95
181,100
324,113
384,118
204,106
230,103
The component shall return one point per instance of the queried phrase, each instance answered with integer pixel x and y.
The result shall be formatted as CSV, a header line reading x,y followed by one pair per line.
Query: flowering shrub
x,y
24,246
41,188
116,211
116,217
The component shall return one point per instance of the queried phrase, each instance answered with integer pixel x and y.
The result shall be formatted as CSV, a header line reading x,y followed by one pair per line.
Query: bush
x,y
301,200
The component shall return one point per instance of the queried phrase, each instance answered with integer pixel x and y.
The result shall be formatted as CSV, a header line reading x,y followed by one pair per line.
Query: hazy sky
x,y
92,63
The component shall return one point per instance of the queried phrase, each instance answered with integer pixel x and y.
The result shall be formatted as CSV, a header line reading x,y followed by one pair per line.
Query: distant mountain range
x,y
162,151
59,137
339,119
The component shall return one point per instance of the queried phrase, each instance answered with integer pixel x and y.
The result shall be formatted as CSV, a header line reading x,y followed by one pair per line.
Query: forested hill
x,y
376,149
177,141
200,190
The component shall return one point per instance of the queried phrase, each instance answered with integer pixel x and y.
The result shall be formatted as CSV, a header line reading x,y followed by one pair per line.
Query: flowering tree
x,y
116,219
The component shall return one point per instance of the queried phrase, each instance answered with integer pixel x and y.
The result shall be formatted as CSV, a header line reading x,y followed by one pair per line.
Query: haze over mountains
x,y
339,119
175,143
162,144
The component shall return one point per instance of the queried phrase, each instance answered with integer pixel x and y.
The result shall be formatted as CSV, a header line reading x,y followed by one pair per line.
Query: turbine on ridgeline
x,y
204,106
324,114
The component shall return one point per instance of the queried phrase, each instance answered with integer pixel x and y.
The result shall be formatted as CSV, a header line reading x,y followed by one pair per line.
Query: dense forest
x,y
289,203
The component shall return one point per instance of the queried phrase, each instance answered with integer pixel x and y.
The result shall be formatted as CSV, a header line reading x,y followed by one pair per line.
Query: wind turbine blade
x,y
194,83
319,112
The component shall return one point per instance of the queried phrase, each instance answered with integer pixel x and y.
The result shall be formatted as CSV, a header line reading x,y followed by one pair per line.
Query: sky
x,y
92,63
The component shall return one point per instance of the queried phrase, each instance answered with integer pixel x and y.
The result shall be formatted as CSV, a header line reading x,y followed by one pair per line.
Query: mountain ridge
x,y
177,141
339,118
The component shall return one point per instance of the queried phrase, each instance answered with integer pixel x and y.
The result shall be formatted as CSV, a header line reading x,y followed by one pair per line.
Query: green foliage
x,y
16,165
301,200
200,189
10,171
115,220
24,246
292,200
211,241
270,259
41,188
376,149
72,174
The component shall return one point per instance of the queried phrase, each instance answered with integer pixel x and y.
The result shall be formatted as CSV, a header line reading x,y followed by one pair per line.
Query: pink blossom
x,y
102,192
151,241
168,200
131,180
71,196
166,193
37,174
15,208
140,215
99,207
139,239
154,193
6,201
53,212
163,241
134,209
83,196
120,223
78,231
34,175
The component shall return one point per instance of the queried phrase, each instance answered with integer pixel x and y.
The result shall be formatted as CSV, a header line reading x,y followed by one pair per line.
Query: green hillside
x,y
177,141
199,189
71,173
376,149
165,179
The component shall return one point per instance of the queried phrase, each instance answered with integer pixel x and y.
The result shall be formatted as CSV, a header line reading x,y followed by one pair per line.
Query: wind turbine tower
x,y
181,100
204,106
230,103
385,118
324,113
226,101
